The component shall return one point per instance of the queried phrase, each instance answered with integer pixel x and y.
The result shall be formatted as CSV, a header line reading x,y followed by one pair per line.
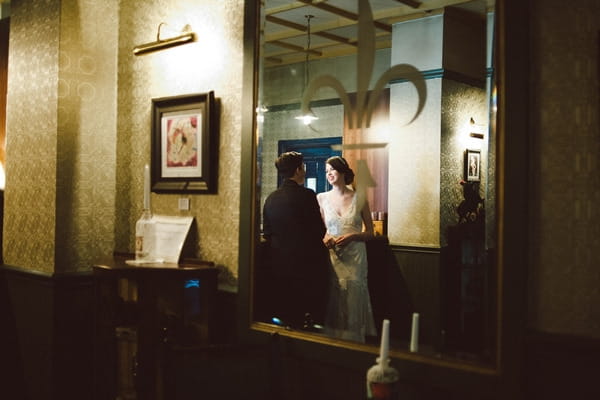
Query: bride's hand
x,y
344,239
329,241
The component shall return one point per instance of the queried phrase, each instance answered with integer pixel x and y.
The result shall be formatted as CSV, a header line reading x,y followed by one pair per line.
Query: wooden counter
x,y
139,309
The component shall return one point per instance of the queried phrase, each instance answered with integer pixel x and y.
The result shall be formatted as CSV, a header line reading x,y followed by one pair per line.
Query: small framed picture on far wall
x,y
472,165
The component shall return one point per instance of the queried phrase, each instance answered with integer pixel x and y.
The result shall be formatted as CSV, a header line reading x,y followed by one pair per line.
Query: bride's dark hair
x,y
341,166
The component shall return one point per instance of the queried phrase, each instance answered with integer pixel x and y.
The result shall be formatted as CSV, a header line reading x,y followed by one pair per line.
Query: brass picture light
x,y
476,129
186,36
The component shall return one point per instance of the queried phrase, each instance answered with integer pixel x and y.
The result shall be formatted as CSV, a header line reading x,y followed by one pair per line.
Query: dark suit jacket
x,y
293,227
295,264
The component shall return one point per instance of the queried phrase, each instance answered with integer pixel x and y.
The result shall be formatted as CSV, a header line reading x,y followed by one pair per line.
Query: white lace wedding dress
x,y
349,314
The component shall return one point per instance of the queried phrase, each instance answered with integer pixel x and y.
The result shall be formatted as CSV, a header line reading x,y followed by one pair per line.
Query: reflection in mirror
x,y
403,91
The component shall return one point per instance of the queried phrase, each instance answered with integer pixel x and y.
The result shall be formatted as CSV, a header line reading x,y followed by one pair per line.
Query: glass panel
x,y
406,96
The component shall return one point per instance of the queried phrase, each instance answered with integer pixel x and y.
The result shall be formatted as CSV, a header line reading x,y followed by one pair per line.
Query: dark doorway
x,y
315,152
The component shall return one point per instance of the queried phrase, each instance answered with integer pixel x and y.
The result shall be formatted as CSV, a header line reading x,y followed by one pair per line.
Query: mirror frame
x,y
498,379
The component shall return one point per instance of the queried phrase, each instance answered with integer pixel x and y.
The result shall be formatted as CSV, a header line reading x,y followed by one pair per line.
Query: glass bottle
x,y
144,237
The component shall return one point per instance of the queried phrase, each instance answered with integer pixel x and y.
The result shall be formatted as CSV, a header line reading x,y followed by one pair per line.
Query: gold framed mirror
x,y
422,187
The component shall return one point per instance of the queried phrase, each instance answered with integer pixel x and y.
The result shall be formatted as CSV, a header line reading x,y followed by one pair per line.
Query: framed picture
x,y
472,165
184,144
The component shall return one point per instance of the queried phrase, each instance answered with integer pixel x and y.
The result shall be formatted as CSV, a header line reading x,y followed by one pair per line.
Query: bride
x,y
348,220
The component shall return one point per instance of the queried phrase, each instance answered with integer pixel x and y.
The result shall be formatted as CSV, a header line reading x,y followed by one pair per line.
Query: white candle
x,y
146,187
414,335
385,341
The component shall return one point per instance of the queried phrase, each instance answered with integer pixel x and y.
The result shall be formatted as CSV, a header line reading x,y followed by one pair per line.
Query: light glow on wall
x,y
2,177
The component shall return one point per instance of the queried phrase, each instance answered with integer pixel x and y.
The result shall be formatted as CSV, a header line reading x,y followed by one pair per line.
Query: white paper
x,y
170,234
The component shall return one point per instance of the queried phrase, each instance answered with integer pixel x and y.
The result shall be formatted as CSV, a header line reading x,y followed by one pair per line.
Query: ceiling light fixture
x,y
309,116
186,36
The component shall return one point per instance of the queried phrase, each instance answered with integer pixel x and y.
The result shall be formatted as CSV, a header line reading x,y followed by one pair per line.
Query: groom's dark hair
x,y
288,162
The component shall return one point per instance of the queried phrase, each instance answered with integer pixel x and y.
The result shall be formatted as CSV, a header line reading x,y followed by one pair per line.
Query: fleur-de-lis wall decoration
x,y
362,112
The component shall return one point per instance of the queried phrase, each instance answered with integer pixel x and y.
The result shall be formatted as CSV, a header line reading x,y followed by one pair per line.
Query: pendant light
x,y
309,117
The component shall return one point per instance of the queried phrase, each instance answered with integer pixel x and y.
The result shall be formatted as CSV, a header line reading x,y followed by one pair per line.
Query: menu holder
x,y
169,237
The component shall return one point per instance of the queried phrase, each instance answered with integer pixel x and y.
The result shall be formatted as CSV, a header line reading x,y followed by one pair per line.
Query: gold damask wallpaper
x,y
86,136
32,133
214,62
78,129
564,290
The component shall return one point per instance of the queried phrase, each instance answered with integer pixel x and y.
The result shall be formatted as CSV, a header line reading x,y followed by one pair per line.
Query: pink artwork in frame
x,y
184,144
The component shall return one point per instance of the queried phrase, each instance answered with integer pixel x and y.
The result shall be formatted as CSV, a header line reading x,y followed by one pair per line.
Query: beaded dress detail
x,y
349,313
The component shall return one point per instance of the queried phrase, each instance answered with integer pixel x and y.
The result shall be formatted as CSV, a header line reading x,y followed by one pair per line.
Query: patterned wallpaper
x,y
564,289
91,101
213,62
85,176
31,137
460,102
414,203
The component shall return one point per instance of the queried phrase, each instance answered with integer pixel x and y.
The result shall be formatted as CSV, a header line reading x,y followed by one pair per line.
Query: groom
x,y
299,261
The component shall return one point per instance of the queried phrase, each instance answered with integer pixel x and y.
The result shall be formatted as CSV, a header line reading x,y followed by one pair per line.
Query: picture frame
x,y
472,165
184,144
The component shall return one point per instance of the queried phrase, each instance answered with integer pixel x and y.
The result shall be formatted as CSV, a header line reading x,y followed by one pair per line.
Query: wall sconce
x,y
477,130
186,36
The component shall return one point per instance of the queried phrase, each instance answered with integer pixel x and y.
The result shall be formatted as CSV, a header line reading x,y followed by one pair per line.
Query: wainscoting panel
x,y
421,271
49,318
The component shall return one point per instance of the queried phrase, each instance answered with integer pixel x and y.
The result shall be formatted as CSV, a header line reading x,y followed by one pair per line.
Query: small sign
x,y
170,235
